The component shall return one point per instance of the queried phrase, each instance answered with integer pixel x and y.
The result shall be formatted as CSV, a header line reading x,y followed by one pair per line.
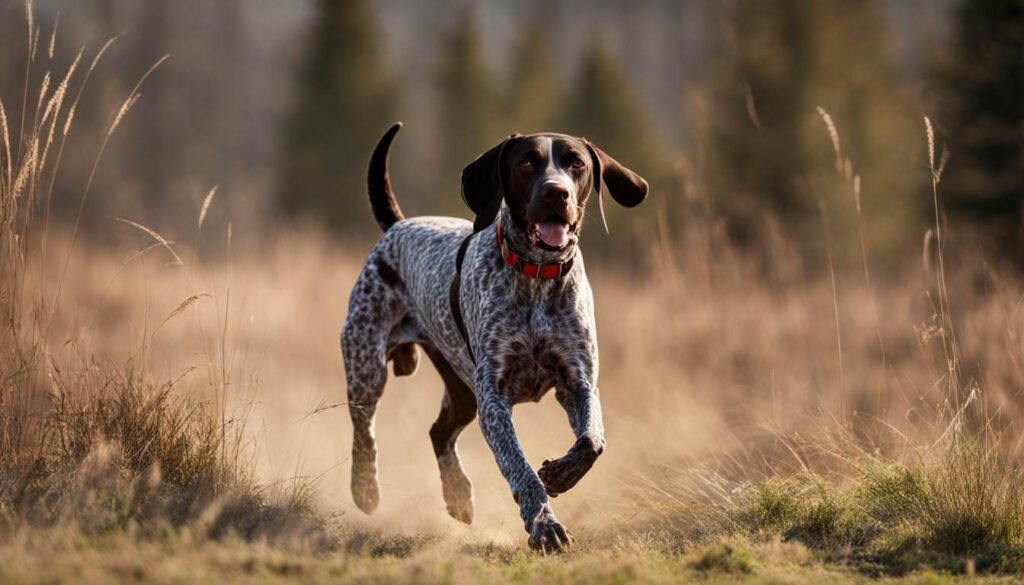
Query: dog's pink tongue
x,y
554,233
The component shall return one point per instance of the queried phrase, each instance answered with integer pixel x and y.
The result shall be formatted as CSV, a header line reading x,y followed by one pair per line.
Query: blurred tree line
x,y
980,94
285,121
346,100
758,147
770,150
196,126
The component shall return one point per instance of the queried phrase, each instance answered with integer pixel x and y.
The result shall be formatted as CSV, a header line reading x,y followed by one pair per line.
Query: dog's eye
x,y
577,163
526,164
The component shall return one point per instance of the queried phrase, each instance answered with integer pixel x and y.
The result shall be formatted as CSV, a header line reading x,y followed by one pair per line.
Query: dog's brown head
x,y
546,180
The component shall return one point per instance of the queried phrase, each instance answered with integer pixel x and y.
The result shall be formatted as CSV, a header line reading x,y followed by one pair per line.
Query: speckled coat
x,y
528,336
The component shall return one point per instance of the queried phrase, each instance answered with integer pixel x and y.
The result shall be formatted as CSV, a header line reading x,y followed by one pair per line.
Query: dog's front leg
x,y
584,409
495,413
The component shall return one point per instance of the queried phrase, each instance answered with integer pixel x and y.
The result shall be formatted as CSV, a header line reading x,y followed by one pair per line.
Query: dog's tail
x,y
382,197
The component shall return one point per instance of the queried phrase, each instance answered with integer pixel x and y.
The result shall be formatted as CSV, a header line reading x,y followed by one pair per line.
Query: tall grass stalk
x,y
948,332
844,167
71,424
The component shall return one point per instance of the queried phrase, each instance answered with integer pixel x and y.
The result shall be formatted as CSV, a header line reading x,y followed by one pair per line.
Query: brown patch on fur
x,y
405,359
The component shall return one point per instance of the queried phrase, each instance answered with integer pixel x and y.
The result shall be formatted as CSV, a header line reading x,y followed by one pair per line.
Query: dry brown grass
x,y
92,439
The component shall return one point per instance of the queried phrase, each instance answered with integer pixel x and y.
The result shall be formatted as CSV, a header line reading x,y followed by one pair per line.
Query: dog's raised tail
x,y
382,197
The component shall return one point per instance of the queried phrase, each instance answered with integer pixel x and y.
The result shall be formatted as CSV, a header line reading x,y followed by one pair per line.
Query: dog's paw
x,y
461,510
560,475
365,492
547,535
458,496
456,487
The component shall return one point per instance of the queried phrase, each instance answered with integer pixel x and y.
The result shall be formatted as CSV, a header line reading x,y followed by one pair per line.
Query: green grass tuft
x,y
726,558
956,506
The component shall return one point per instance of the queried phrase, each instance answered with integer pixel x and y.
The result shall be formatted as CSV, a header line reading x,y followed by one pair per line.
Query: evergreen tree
x,y
532,106
469,108
982,114
603,107
768,149
346,99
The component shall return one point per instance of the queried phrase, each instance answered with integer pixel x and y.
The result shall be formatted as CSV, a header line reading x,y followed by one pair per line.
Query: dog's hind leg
x,y
373,309
458,409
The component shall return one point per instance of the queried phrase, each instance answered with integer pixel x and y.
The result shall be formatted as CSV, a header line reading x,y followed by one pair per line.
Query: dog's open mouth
x,y
554,233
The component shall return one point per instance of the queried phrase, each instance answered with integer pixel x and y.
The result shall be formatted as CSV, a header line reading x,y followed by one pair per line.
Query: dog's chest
x,y
533,354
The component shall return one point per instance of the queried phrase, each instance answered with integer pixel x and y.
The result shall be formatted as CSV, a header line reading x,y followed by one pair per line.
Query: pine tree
x,y
533,105
604,107
768,151
346,99
470,111
982,116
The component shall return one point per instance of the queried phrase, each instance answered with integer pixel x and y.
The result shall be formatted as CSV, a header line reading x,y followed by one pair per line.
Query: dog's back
x,y
415,259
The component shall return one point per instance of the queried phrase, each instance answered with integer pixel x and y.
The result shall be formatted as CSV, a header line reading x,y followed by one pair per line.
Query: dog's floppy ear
x,y
626,187
483,183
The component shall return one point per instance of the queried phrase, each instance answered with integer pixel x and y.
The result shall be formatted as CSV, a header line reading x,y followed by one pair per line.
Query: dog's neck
x,y
519,240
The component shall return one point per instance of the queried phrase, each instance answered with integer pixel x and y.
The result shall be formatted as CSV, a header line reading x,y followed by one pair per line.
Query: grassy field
x,y
172,414
186,423
45,558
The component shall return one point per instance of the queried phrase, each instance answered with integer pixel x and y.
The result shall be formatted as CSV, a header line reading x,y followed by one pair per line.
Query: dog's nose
x,y
555,193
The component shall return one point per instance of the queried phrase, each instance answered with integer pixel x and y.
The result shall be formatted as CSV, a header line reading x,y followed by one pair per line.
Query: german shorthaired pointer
x,y
502,308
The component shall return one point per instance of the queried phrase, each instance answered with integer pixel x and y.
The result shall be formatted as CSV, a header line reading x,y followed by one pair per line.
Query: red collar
x,y
541,271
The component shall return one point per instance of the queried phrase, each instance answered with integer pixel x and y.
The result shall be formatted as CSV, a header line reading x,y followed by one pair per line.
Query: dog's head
x,y
545,180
